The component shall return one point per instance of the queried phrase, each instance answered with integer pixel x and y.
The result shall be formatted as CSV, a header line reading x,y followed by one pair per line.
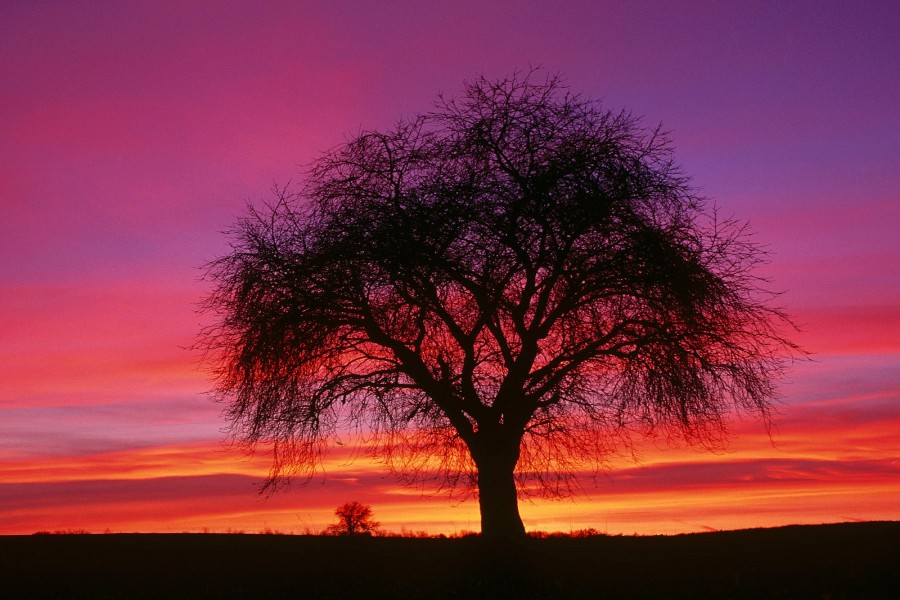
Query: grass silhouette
x,y
850,560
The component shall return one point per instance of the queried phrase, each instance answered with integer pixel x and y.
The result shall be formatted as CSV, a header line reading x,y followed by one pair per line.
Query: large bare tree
x,y
493,293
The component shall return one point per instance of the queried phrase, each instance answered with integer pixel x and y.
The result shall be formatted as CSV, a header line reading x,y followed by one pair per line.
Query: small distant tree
x,y
354,518
493,294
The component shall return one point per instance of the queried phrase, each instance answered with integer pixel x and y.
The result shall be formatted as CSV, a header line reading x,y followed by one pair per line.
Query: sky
x,y
133,134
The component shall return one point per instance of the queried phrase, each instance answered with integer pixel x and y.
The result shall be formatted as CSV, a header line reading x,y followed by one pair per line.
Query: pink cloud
x,y
64,340
834,333
133,136
728,494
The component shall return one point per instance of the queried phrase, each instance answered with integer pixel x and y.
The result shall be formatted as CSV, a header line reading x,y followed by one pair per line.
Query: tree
x,y
353,519
492,293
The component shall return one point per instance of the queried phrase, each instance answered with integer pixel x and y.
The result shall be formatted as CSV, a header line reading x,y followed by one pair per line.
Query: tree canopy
x,y
494,292
354,518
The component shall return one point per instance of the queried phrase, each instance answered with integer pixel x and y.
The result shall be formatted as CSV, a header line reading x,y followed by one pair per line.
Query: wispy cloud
x,y
133,136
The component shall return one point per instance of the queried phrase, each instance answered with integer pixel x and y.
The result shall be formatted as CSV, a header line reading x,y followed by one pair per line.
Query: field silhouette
x,y
850,560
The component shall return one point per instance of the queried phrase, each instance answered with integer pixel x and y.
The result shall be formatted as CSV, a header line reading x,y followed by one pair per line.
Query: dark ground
x,y
852,560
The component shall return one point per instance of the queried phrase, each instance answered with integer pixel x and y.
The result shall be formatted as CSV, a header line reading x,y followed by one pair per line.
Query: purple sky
x,y
132,134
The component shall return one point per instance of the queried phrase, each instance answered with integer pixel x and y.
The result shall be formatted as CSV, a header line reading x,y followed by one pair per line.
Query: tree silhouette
x,y
353,519
493,293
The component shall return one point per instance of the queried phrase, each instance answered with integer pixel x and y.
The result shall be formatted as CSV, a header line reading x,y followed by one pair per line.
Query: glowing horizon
x,y
134,135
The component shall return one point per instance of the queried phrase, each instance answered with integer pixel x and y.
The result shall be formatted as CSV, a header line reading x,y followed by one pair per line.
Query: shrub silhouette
x,y
354,518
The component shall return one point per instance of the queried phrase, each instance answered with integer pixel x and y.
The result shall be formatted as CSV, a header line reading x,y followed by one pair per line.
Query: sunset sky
x,y
133,133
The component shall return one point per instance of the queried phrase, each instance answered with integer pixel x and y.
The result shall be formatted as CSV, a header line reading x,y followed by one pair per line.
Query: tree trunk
x,y
497,498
